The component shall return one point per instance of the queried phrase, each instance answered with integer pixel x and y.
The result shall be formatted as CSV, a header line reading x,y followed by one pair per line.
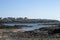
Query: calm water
x,y
34,26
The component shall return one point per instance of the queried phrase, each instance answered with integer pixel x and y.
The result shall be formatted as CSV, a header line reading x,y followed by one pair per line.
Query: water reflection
x,y
34,26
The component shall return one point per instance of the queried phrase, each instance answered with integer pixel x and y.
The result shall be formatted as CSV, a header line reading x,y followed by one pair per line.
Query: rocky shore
x,y
41,33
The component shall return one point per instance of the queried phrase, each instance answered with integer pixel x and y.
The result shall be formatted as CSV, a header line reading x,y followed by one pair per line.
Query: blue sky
x,y
44,9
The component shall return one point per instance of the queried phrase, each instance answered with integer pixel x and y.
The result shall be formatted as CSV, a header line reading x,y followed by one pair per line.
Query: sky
x,y
44,9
